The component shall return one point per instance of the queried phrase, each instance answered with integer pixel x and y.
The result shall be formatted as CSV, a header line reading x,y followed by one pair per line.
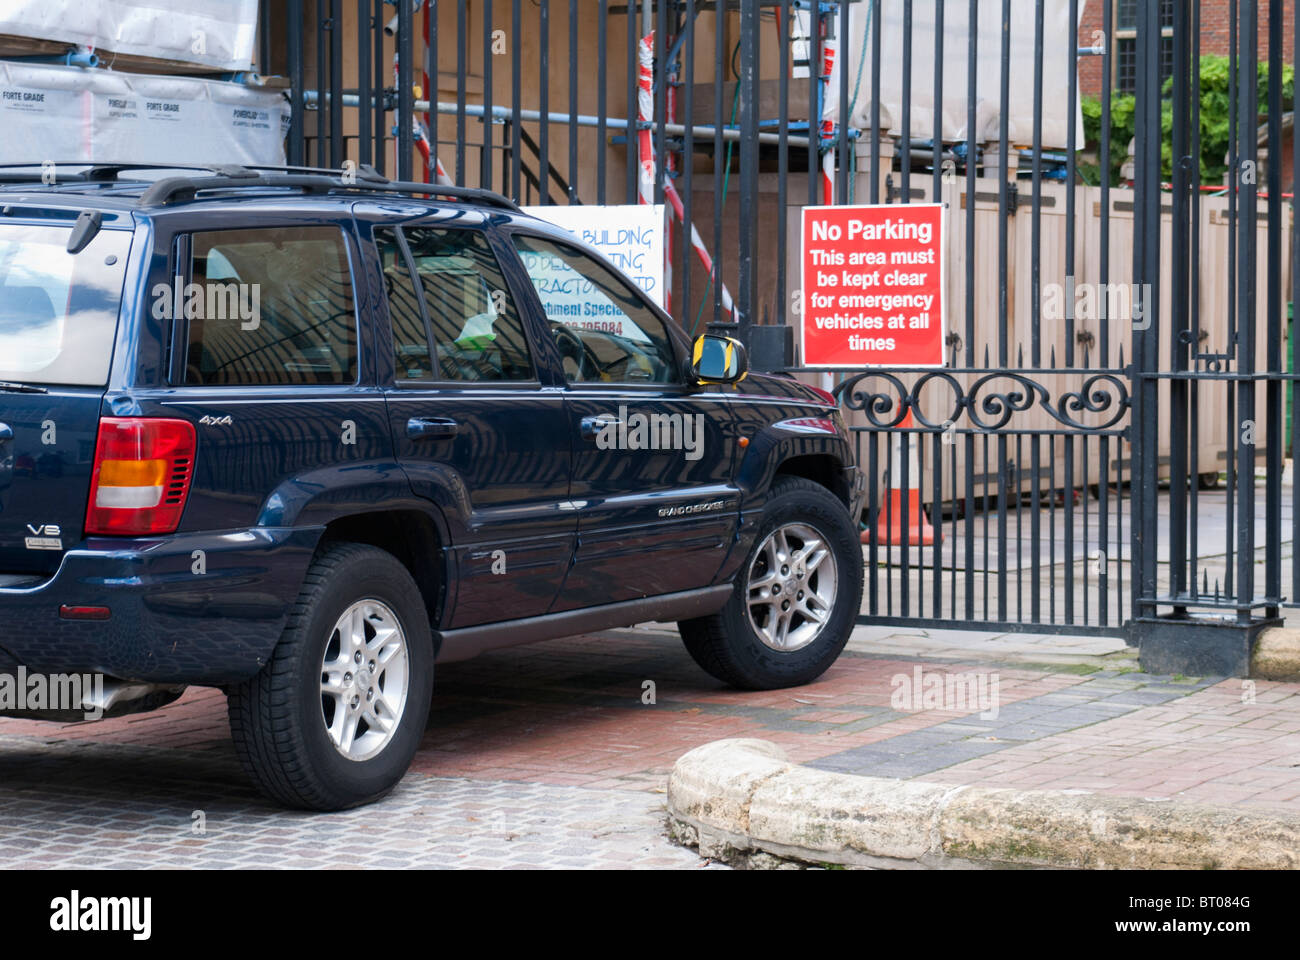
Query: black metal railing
x,y
1085,475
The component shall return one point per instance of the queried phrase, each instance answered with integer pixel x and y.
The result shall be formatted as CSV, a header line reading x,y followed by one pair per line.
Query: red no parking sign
x,y
873,285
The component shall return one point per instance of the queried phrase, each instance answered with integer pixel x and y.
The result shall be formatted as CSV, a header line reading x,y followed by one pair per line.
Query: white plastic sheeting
x,y
58,113
1059,57
215,33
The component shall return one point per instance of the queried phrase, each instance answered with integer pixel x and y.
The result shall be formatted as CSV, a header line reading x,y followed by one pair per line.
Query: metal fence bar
x,y
1004,303
972,62
1245,185
630,15
783,156
905,140
815,55
1146,270
461,92
1071,179
936,123
516,96
1194,313
381,70
405,88
1180,244
1273,322
844,160
688,152
573,102
661,46
544,100
336,82
1295,356
485,155
721,159
1036,213
1230,573
747,294
296,82
365,153
322,116
602,96
1004,187
875,100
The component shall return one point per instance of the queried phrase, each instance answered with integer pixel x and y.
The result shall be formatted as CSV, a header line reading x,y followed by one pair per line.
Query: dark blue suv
x,y
299,434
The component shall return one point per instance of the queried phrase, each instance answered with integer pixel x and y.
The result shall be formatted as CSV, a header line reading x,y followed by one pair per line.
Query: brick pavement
x,y
548,755
90,805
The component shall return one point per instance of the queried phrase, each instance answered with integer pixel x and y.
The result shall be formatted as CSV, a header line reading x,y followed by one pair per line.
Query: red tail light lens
x,y
143,467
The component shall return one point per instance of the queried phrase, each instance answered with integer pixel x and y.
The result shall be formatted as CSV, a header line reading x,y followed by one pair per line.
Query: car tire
x,y
743,643
358,607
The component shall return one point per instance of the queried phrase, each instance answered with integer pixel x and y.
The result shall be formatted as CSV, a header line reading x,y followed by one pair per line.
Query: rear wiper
x,y
7,387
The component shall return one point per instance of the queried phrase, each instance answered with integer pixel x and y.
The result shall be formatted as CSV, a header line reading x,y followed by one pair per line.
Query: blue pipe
x,y
73,58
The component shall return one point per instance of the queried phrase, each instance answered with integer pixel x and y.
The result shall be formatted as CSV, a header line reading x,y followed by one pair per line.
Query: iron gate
x,y
1061,473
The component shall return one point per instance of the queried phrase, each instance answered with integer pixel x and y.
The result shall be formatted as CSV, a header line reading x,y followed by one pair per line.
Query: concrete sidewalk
x,y
592,726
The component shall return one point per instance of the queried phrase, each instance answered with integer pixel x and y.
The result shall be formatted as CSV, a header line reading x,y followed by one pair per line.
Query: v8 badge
x,y
48,536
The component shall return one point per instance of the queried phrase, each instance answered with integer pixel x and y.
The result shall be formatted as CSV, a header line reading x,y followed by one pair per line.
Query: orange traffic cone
x,y
889,519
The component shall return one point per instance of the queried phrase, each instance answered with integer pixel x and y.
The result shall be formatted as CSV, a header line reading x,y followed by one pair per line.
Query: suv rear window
x,y
270,306
58,311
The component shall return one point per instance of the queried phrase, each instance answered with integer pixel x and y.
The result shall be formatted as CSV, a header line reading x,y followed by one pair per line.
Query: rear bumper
x,y
178,616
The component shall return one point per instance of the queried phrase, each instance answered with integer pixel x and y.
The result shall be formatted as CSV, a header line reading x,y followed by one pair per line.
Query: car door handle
x,y
431,428
591,426
6,432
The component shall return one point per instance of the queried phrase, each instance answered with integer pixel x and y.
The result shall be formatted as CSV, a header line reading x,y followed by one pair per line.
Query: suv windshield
x,y
58,311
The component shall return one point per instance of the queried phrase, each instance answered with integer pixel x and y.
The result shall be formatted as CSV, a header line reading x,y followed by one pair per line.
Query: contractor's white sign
x,y
632,237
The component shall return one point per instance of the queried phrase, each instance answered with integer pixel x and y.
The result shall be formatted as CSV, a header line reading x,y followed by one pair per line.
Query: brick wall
x,y
1214,36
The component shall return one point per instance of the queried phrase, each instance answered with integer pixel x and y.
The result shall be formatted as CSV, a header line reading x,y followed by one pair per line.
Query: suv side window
x,y
605,332
270,306
477,332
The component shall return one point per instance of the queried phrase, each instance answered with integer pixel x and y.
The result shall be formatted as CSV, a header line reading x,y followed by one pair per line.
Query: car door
x,y
473,427
653,455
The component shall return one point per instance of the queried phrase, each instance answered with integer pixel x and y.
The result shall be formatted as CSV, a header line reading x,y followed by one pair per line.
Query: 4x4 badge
x,y
217,421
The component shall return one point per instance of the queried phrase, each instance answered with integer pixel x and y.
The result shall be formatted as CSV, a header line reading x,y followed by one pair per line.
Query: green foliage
x,y
1215,107
1122,106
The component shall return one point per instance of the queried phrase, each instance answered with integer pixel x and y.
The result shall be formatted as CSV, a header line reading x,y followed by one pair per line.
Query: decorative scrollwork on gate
x,y
989,401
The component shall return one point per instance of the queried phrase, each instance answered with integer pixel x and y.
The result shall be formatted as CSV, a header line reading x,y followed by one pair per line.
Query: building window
x,y
1126,58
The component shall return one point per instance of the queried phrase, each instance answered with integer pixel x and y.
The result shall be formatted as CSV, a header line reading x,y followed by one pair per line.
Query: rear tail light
x,y
143,467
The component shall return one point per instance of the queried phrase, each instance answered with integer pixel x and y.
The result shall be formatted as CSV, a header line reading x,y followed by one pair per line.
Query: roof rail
x,y
233,176
94,172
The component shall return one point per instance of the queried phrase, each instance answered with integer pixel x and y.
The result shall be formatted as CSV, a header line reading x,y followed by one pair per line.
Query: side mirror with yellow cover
x,y
717,359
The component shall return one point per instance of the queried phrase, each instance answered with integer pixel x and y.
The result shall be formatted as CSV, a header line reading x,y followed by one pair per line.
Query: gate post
x,y
1217,642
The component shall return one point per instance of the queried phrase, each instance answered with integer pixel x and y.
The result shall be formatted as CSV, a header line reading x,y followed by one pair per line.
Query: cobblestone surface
x,y
89,805
558,754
